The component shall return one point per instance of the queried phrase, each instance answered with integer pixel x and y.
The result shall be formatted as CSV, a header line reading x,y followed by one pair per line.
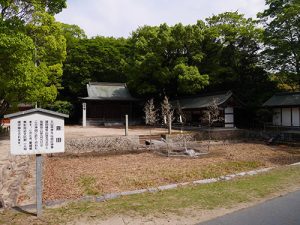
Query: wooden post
x,y
169,125
39,184
126,125
84,114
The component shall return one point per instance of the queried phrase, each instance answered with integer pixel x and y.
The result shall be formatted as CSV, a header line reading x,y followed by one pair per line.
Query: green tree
x,y
17,70
164,60
23,9
232,49
32,51
49,55
189,79
61,106
99,59
282,41
72,33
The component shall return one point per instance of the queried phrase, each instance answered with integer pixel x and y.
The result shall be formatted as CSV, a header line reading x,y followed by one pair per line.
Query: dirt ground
x,y
74,176
79,131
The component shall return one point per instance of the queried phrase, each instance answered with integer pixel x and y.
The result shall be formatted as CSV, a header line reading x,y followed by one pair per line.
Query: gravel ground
x,y
78,131
75,176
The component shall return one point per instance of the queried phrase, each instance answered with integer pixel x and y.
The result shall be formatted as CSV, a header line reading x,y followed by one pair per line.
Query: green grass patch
x,y
209,196
209,171
225,168
88,184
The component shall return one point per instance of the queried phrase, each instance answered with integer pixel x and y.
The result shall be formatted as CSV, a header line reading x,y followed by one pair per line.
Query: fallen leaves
x,y
117,173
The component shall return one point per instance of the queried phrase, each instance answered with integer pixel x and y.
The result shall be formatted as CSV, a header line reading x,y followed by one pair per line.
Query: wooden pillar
x,y
84,114
126,125
169,124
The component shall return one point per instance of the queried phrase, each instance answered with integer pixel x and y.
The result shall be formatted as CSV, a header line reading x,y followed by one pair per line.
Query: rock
x,y
12,174
167,187
87,198
101,144
55,203
251,173
13,195
23,164
184,184
190,152
152,190
112,196
156,143
133,192
1,203
206,181
242,174
100,199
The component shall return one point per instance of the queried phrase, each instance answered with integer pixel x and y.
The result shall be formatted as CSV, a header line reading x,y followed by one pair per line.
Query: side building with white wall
x,y
194,108
286,109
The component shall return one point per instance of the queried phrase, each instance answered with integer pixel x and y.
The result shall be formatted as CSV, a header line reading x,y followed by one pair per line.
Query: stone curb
x,y
110,196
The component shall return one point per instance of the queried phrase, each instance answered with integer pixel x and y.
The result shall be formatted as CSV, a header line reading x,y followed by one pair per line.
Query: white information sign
x,y
36,133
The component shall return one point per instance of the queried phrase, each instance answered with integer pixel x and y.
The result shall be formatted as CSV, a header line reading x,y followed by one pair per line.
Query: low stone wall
x,y
222,134
13,170
202,135
101,144
180,139
281,137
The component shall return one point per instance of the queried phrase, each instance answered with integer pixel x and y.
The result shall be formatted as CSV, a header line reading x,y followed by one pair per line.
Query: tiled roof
x,y
108,91
284,99
204,101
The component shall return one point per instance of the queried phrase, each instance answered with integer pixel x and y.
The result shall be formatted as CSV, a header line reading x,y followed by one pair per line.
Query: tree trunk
x,y
3,106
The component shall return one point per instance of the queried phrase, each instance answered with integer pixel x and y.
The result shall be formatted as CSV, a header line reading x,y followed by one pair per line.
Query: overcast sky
x,y
118,18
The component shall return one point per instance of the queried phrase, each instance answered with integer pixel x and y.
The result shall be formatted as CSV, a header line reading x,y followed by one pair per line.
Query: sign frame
x,y
36,132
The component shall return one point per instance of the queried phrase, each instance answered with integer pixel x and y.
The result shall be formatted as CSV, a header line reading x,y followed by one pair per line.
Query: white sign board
x,y
36,133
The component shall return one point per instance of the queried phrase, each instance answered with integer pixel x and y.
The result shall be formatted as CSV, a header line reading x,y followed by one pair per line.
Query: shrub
x,y
61,106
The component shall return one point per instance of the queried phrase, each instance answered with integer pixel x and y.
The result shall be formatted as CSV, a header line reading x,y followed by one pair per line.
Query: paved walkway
x,y
279,211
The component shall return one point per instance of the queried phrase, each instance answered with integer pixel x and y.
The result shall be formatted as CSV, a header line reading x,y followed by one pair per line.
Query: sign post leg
x,y
39,187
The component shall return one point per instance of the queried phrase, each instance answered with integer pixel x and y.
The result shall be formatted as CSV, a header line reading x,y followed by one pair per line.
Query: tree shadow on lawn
x,y
285,160
292,155
24,210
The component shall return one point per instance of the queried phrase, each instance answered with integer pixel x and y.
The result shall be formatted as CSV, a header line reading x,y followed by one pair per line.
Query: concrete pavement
x,y
279,211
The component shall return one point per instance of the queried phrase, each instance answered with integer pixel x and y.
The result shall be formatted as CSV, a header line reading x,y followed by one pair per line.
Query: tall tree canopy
x,y
49,55
73,34
165,59
282,41
97,59
32,49
24,9
232,48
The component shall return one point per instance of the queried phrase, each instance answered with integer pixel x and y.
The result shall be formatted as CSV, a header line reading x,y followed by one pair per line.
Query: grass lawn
x,y
204,197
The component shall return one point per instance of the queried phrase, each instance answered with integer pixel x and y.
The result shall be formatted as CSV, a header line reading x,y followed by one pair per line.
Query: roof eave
x,y
35,110
108,99
280,106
